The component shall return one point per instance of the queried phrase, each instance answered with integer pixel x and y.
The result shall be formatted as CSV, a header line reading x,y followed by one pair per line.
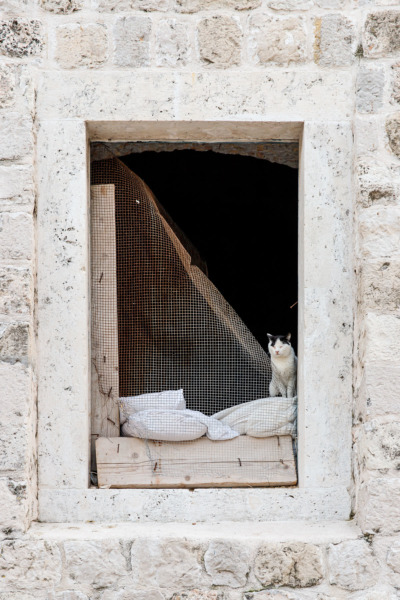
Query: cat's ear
x,y
289,335
269,336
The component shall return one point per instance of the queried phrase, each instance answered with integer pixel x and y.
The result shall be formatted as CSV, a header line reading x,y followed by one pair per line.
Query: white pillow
x,y
168,400
265,417
164,425
216,430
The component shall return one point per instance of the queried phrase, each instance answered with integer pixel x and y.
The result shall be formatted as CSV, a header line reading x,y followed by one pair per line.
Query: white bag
x,y
164,425
265,417
168,400
216,430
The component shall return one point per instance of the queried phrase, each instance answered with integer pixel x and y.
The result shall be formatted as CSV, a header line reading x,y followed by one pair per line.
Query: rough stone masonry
x,y
240,42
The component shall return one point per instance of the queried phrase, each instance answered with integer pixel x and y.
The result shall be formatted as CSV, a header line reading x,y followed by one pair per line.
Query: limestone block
x,y
379,593
97,563
378,445
191,6
393,557
331,4
379,228
380,285
16,236
112,6
16,137
66,595
220,39
351,565
382,383
167,564
61,7
276,595
335,41
17,427
382,337
21,37
376,510
228,563
132,41
381,35
81,45
291,4
151,5
396,83
129,594
13,341
368,134
16,292
277,40
172,43
293,564
16,186
13,513
369,89
199,595
29,565
393,132
7,85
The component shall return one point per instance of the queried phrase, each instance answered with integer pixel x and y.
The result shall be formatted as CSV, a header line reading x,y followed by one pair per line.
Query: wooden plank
x,y
241,462
104,316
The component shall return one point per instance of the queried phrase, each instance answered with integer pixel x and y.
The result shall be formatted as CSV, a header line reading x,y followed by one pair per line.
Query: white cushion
x,y
164,425
265,417
168,400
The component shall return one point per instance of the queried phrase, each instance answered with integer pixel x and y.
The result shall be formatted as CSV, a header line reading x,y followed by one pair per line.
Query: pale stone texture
x,y
21,37
379,593
393,133
381,36
14,518
290,4
331,4
351,565
131,41
276,595
219,40
277,40
172,46
62,7
98,563
393,557
379,229
14,341
292,564
151,5
381,383
335,41
191,6
16,291
81,45
7,85
228,563
369,89
29,565
129,594
198,595
16,236
377,511
16,428
16,136
16,186
167,564
396,83
380,288
378,445
128,5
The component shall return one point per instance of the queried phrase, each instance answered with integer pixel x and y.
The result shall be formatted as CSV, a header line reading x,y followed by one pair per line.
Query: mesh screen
x,y
171,328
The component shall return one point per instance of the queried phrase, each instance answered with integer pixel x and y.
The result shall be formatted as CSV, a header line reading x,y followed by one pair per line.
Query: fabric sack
x,y
167,400
265,417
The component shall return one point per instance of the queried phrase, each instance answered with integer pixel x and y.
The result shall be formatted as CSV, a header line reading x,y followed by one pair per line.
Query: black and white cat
x,y
284,366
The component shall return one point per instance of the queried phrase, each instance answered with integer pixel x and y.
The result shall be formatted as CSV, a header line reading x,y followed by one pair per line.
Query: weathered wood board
x,y
104,316
242,462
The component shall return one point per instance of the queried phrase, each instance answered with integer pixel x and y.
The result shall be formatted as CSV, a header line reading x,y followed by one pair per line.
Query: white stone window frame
x,y
72,112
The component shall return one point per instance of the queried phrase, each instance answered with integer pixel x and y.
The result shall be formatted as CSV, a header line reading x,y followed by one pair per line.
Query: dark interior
x,y
241,213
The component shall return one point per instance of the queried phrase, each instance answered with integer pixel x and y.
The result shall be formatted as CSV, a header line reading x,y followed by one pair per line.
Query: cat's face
x,y
279,345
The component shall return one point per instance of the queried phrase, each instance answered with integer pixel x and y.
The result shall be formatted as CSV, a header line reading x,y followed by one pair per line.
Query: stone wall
x,y
349,38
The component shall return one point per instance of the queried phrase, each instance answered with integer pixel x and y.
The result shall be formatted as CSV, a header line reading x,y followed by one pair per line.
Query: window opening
x,y
194,259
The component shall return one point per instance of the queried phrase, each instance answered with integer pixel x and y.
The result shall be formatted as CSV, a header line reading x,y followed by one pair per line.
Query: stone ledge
x,y
325,532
